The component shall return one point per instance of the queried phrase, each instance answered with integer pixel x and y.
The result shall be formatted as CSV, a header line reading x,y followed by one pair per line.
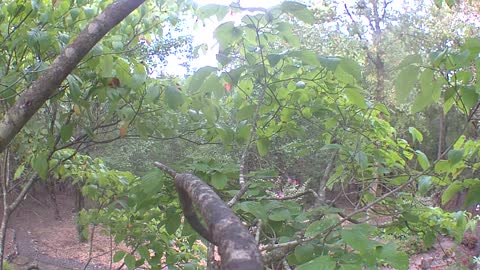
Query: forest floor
x,y
52,244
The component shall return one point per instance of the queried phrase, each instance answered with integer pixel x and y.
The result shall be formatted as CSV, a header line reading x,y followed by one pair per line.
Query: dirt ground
x,y
53,244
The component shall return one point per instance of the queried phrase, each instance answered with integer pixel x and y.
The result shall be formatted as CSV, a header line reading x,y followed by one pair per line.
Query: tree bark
x,y
53,198
441,132
79,206
6,213
237,247
323,181
46,85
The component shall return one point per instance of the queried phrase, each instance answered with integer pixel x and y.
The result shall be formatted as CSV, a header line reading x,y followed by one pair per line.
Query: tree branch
x,y
237,247
45,86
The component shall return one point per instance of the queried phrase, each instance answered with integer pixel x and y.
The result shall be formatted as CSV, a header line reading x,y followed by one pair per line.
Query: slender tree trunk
x,y
441,132
79,205
323,181
53,198
6,210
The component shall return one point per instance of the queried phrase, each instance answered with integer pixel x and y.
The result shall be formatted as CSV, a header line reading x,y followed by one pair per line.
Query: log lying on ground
x,y
237,247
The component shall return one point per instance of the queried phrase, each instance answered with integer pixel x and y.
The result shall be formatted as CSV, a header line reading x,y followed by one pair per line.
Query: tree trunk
x,y
53,199
323,181
441,132
79,206
5,172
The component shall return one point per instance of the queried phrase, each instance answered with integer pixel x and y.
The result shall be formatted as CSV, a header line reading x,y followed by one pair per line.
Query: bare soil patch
x,y
42,240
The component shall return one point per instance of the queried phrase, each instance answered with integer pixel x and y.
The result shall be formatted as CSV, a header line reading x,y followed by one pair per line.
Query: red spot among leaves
x,y
114,83
228,87
279,195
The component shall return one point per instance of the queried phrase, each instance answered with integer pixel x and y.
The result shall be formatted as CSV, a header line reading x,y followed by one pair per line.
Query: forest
x,y
320,134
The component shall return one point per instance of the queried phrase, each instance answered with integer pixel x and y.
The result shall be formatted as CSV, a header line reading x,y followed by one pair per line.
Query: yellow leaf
x,y
76,109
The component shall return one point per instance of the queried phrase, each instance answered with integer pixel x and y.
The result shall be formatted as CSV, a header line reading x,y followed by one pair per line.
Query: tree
x,y
79,119
30,101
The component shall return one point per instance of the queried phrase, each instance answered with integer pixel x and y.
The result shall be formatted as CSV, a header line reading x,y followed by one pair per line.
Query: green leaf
x,y
361,159
405,82
304,253
416,135
299,11
74,87
273,59
455,156
279,214
255,208
438,3
348,267
139,76
461,224
451,191
409,60
472,197
442,166
143,252
152,94
319,226
422,159
319,263
213,85
197,79
219,180
226,133
307,57
427,91
351,67
227,34
469,97
459,143
152,182
130,261
398,260
356,240
331,147
423,99
329,62
399,180
209,10
263,146
429,238
472,44
66,132
40,164
19,171
173,97
173,220
123,71
424,184
449,100
118,256
354,96
106,66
